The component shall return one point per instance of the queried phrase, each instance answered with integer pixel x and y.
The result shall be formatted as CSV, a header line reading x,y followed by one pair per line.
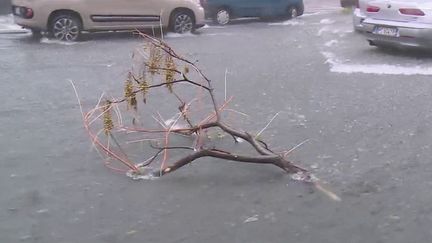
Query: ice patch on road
x,y
7,21
382,69
212,27
322,30
311,14
251,219
327,21
45,40
42,211
289,22
139,177
340,32
7,25
331,43
177,35
218,34
187,35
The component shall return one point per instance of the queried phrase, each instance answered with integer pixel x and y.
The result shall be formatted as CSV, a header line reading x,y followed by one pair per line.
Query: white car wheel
x,y
183,23
66,28
222,17
292,12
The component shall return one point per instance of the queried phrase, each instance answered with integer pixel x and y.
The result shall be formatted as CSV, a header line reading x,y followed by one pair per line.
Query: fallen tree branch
x,y
165,68
261,159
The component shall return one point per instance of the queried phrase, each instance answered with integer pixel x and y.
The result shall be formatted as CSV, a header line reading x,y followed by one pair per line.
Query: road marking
x,y
380,69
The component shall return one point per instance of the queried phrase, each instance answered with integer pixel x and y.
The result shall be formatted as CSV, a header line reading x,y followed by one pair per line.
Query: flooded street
x,y
366,112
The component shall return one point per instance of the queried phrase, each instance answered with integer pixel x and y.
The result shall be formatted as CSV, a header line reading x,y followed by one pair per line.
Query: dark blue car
x,y
223,11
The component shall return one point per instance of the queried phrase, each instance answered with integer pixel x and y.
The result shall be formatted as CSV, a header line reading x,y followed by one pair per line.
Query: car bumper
x,y
197,26
358,18
199,18
34,22
27,23
409,34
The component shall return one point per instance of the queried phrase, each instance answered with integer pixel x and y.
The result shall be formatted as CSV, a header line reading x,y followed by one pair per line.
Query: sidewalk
x,y
7,25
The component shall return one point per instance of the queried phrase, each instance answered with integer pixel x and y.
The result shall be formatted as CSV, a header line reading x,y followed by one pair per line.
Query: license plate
x,y
386,31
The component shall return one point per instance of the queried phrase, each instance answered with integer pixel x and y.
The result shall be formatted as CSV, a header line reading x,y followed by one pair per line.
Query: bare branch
x,y
262,159
162,68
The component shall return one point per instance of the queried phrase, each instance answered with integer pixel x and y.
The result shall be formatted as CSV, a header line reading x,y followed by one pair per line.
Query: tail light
x,y
23,12
28,13
412,11
203,2
372,9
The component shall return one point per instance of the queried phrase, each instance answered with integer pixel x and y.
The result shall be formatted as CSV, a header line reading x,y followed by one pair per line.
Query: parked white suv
x,y
65,19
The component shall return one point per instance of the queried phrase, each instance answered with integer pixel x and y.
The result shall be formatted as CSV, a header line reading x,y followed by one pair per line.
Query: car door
x,y
124,14
249,8
275,7
254,8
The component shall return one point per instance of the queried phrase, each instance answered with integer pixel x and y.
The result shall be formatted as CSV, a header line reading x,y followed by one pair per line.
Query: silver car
x,y
398,22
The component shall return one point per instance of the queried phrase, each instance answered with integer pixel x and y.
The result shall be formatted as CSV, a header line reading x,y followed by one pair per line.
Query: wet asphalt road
x,y
369,139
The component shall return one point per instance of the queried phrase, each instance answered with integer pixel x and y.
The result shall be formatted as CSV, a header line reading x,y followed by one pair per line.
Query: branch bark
x,y
261,159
